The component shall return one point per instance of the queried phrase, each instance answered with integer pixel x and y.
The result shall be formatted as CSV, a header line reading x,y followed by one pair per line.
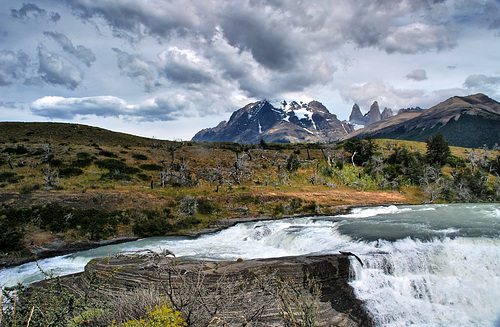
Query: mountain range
x,y
286,123
470,121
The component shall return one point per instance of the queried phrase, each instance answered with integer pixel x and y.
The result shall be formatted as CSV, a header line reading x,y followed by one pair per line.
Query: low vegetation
x,y
85,186
149,187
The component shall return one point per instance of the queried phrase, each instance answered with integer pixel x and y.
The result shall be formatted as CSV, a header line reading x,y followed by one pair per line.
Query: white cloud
x,y
57,70
81,52
417,75
12,66
418,38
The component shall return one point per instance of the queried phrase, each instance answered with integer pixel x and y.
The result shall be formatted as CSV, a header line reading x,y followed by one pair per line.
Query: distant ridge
x,y
470,121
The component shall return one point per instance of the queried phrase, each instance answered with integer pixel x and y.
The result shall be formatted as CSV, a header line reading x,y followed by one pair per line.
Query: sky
x,y
169,68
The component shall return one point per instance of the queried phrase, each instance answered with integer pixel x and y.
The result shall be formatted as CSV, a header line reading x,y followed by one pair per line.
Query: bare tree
x,y
430,181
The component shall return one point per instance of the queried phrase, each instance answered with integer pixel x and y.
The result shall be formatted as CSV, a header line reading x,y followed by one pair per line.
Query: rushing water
x,y
429,265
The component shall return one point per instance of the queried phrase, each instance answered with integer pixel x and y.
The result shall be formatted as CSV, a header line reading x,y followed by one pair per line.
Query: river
x,y
424,265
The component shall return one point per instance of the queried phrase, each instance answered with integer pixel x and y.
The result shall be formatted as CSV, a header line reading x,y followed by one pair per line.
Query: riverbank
x,y
232,209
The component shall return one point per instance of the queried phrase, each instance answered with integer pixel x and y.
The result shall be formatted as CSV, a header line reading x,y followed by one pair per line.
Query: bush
x,y
70,171
108,154
187,223
26,189
19,149
293,163
52,217
11,228
160,316
206,206
144,177
154,223
138,156
151,167
83,160
118,170
10,177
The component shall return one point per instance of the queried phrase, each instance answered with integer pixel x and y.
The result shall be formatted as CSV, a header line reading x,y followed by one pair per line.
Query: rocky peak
x,y
356,116
374,113
386,113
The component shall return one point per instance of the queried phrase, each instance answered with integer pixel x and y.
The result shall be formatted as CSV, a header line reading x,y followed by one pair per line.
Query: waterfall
x,y
443,282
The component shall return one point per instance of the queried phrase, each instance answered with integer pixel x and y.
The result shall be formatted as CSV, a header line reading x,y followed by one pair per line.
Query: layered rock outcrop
x,y
238,292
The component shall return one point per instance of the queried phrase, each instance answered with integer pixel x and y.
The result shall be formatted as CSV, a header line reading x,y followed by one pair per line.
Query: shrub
x,y
26,189
83,160
118,170
206,206
151,167
52,217
56,163
364,149
153,223
187,223
160,316
10,177
138,156
143,177
11,228
70,171
19,149
108,154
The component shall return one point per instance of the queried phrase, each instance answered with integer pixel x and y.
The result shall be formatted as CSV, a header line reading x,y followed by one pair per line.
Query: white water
x,y
435,265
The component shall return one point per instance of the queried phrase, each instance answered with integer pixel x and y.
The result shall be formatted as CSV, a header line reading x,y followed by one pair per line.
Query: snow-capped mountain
x,y
284,122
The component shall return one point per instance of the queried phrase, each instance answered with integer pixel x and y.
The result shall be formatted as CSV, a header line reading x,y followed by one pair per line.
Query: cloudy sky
x,y
168,68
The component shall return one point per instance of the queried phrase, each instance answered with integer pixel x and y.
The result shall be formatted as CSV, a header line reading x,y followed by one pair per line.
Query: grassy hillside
x,y
35,133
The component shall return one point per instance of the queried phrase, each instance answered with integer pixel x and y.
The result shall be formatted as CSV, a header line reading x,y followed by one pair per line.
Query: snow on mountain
x,y
278,121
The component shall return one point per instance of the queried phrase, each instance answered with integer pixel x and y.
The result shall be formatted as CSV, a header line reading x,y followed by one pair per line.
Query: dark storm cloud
x,y
31,10
26,10
57,70
417,75
174,65
267,42
131,19
81,52
12,66
185,67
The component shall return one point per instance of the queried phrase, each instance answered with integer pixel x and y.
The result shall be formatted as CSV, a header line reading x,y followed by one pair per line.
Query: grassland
x,y
76,182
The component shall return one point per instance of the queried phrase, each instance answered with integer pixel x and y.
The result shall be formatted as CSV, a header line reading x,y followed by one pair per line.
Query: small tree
x,y
438,150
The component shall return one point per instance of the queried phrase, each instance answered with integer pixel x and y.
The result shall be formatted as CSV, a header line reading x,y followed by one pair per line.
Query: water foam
x,y
447,282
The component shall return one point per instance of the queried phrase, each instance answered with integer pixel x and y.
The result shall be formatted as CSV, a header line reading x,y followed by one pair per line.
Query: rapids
x,y
426,265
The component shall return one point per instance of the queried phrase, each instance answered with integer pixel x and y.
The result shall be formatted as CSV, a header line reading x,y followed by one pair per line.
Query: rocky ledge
x,y
257,292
